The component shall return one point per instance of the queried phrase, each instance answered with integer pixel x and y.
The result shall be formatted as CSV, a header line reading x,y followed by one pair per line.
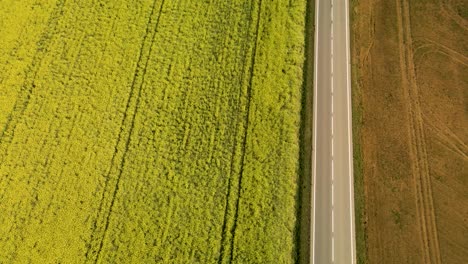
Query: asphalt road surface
x,y
333,238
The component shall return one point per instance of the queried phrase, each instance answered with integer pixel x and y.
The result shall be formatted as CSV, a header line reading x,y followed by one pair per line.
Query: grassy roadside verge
x,y
304,197
357,112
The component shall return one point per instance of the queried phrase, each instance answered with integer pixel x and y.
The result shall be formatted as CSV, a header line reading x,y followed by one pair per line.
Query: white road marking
x,y
333,205
332,147
350,153
333,249
331,75
314,158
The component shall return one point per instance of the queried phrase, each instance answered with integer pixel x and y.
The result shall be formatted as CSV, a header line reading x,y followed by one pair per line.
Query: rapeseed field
x,y
161,131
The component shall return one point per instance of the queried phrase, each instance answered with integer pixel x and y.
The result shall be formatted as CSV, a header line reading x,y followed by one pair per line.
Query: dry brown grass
x,y
411,78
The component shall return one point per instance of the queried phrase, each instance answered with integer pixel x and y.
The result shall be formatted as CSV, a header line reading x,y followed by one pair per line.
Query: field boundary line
x,y
361,61
303,226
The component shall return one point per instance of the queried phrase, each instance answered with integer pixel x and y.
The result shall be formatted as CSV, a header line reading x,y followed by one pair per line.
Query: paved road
x,y
333,205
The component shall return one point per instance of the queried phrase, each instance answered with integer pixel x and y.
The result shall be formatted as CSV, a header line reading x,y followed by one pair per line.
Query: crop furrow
x,y
232,171
28,85
24,94
246,129
104,212
233,187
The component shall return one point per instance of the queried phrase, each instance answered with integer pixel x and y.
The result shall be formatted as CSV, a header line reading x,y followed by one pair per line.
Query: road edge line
x,y
314,124
350,145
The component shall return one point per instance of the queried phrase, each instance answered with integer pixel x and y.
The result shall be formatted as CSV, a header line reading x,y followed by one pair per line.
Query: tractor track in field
x,y
232,229
24,94
246,130
418,151
427,46
224,230
448,10
447,137
103,214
